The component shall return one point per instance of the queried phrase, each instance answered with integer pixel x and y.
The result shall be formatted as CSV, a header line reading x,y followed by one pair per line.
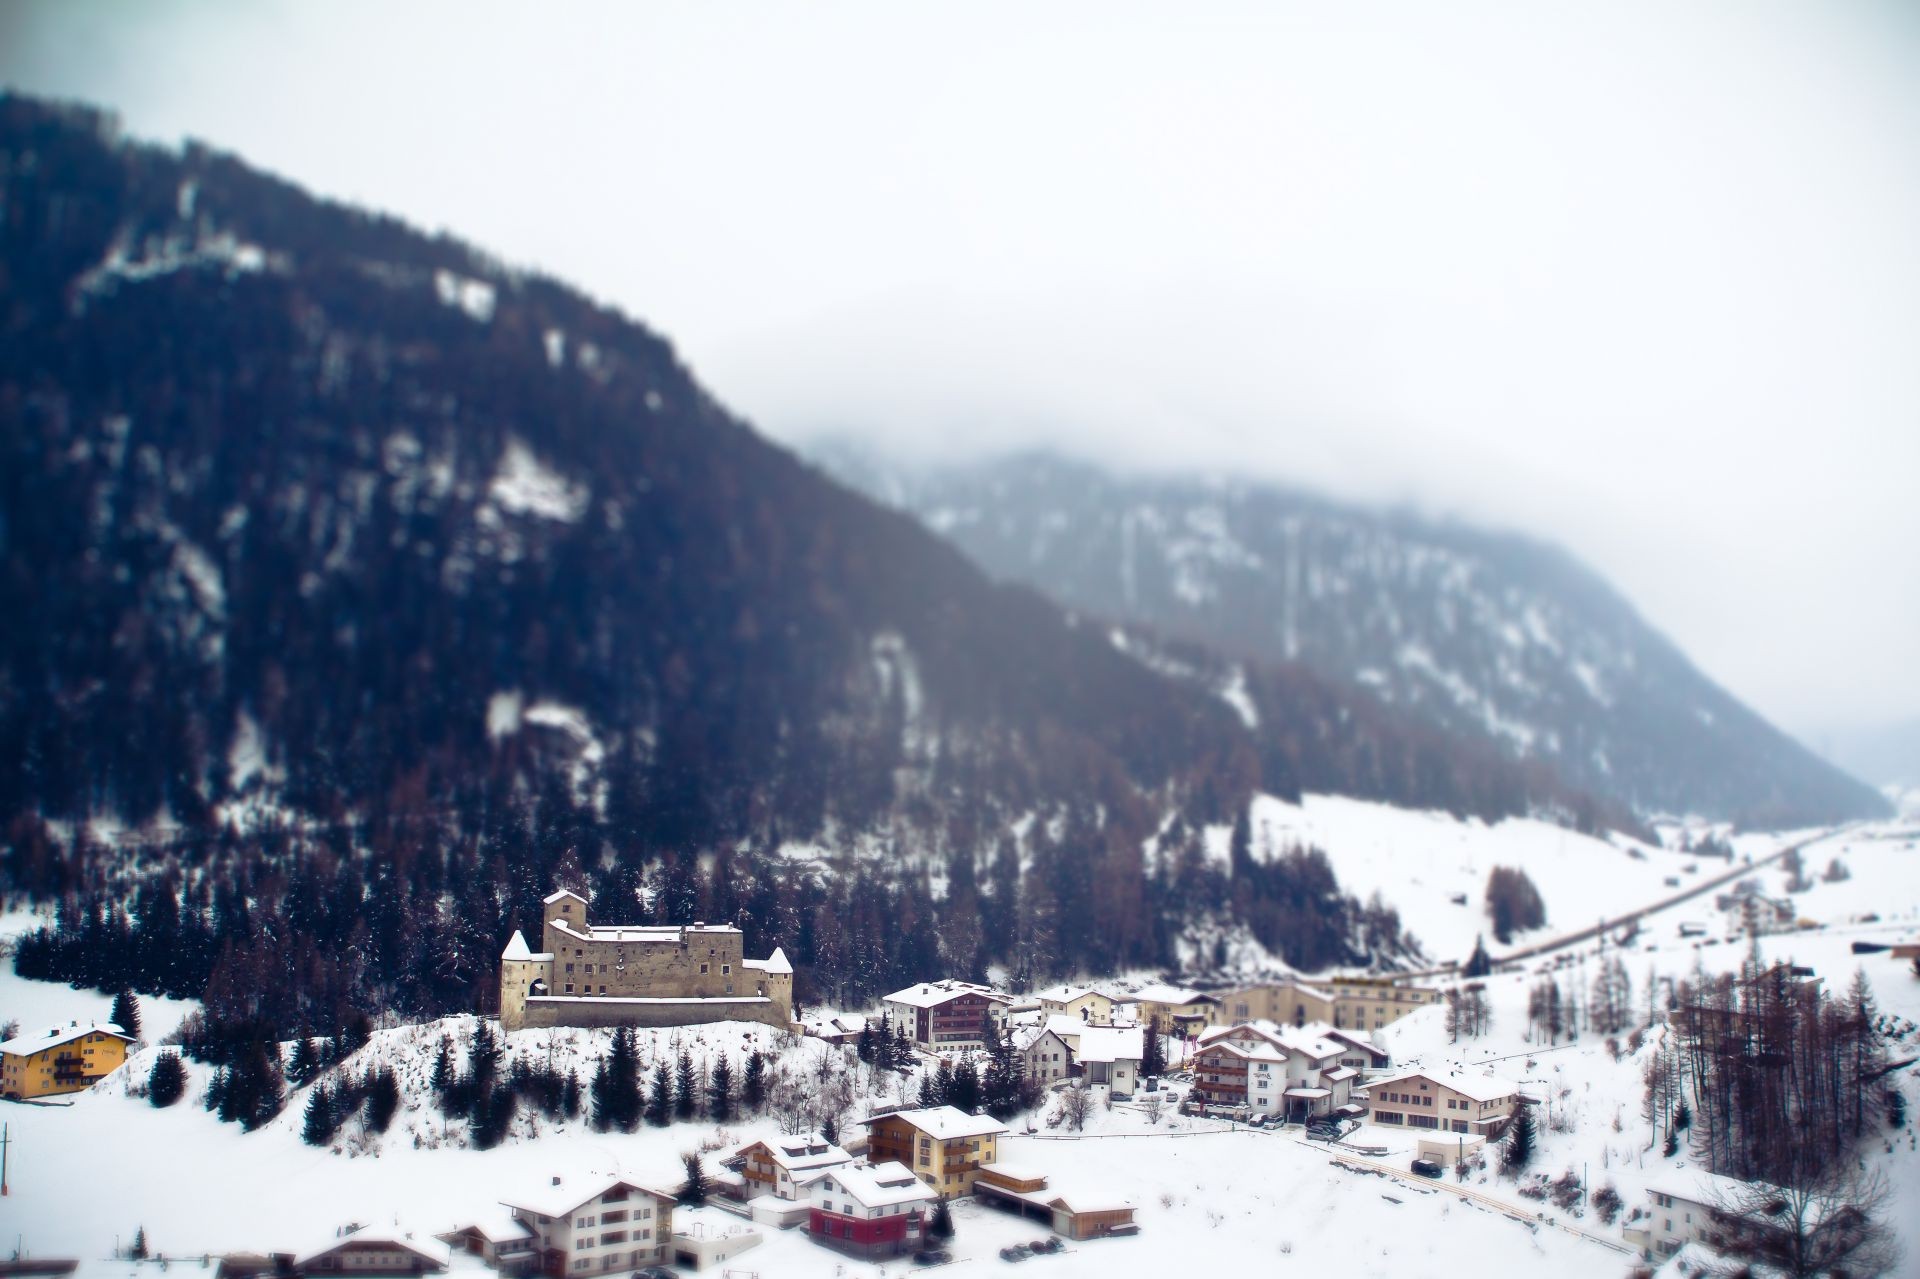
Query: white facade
x,y
599,1227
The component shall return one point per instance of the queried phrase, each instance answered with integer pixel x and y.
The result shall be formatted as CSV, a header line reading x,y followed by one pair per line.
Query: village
x,y
958,1122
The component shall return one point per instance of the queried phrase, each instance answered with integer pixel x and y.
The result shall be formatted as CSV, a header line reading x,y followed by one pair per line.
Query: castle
x,y
619,975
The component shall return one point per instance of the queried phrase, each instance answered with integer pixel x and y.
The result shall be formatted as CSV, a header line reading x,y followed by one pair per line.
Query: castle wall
x,y
548,1010
694,964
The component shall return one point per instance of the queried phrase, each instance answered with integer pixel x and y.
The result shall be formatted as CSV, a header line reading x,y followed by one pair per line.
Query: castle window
x,y
726,968
569,988
703,969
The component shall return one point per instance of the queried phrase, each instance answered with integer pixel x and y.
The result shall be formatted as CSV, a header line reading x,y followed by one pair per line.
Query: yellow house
x,y
63,1059
943,1146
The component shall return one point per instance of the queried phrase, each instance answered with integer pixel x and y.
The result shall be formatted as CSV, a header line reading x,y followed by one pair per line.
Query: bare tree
x,y
1830,1223
1076,1103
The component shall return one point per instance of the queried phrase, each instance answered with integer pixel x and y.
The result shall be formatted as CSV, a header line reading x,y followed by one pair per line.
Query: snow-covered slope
x,y
1483,633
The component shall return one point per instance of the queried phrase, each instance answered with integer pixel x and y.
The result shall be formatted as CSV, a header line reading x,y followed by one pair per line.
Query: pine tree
x,y
217,1091
660,1099
943,1083
570,1096
1153,1051
830,1129
126,1013
167,1081
963,1090
941,1226
754,1087
720,1091
305,1062
138,1249
483,1055
1518,1149
686,1091
928,1097
1479,963
383,1099
693,1192
902,1058
863,1047
321,1121
442,1077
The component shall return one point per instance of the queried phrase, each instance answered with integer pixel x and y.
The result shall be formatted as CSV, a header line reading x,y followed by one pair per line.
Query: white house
x,y
1295,1071
1682,1205
596,1225
1090,1006
946,1016
870,1210
784,1166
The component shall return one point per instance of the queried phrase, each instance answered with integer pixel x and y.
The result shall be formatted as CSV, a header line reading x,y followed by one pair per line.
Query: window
x,y
569,988
617,1236
703,970
569,967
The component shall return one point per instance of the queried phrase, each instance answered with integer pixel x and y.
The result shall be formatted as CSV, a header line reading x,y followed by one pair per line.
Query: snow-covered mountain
x,y
1486,634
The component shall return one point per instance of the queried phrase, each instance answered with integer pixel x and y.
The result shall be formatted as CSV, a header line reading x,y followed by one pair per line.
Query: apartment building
x,y
942,1145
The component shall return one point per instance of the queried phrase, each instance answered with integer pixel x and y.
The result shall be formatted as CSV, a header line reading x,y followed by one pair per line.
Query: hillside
x,y
1487,635
377,587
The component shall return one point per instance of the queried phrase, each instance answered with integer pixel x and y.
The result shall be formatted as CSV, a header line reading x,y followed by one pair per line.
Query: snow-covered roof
x,y
929,994
1065,994
944,1122
564,893
1304,1040
1698,1186
1476,1087
517,948
1309,1094
875,1185
639,933
1102,1043
563,1195
1161,993
797,1154
425,1246
40,1040
774,963
497,1226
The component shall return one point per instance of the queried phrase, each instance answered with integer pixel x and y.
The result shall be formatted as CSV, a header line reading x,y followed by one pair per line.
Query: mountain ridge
x,y
1493,633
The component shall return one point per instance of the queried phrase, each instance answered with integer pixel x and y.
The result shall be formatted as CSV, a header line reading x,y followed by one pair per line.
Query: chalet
x,y
1045,1057
1177,1010
1448,1103
942,1145
369,1251
500,1239
1683,1207
785,1166
946,1016
1076,1215
869,1210
62,1059
1090,1006
1290,1071
596,1226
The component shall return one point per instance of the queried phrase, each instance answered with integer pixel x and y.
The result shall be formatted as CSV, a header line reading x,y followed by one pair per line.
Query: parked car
x,y
654,1272
932,1257
1050,1244
1014,1252
1428,1168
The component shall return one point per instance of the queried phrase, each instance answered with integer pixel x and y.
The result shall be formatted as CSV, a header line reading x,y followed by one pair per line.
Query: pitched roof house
x,y
942,1145
62,1059
869,1210
596,1226
785,1166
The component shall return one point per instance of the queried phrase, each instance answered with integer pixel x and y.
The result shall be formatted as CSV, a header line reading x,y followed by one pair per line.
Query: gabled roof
x,y
1103,1043
517,948
1065,994
551,898
930,994
431,1250
875,1185
1161,993
40,1040
944,1122
563,1195
1476,1087
800,1153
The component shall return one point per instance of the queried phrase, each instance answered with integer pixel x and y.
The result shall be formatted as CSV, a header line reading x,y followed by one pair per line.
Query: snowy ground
x,y
1203,1191
1419,861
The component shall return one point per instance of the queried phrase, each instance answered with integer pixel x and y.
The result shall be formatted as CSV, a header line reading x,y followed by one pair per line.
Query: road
x,y
1704,886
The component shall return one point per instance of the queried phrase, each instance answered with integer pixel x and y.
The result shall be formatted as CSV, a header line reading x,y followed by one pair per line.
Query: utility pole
x,y
5,1140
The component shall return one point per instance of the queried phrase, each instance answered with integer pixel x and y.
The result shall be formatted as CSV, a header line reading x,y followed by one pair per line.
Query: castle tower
x,y
522,973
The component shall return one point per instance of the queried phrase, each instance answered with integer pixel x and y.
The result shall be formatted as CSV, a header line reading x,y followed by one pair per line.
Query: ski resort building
x,y
628,975
1290,1071
1449,1103
63,1059
946,1016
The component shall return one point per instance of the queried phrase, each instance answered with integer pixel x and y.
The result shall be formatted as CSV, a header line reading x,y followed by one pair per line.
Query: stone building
x,y
628,975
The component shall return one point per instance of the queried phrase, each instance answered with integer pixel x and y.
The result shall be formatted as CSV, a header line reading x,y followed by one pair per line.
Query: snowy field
x,y
1419,861
86,1175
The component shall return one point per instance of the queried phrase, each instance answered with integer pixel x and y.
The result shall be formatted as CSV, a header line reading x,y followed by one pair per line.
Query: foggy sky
x,y
1642,278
